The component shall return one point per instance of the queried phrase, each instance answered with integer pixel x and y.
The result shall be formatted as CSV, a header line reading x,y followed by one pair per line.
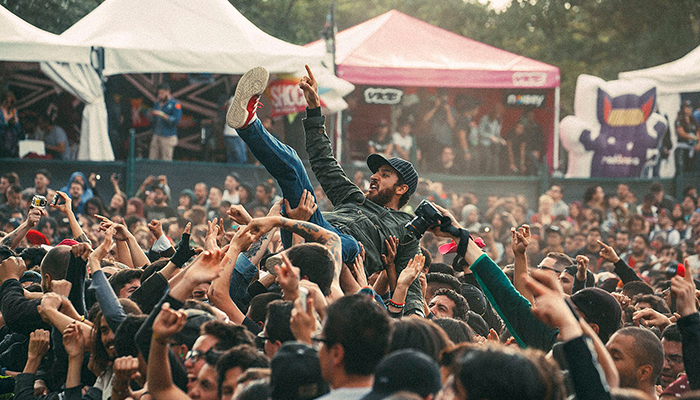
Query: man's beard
x,y
382,197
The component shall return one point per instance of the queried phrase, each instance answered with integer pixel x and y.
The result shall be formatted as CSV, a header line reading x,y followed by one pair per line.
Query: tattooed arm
x,y
13,239
311,233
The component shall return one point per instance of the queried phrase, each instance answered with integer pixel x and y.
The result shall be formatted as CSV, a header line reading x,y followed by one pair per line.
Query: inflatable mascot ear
x,y
615,131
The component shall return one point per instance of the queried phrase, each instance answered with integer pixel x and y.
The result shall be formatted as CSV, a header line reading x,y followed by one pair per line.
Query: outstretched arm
x,y
13,239
311,233
335,183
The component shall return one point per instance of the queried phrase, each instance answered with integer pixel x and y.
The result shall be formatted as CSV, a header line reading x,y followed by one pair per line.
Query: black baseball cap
x,y
405,370
296,373
601,308
404,168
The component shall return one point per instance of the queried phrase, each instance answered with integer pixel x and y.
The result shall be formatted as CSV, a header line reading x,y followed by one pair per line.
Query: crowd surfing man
x,y
370,218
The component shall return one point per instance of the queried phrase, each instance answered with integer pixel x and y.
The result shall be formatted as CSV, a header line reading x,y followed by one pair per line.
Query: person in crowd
x,y
403,142
490,141
440,119
236,151
164,117
382,142
467,127
10,128
201,194
560,208
688,135
231,184
55,139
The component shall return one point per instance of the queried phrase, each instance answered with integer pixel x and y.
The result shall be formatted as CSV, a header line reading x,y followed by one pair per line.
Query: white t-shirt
x,y
404,142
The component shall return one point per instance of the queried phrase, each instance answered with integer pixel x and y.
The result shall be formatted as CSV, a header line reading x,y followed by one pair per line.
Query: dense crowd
x,y
245,292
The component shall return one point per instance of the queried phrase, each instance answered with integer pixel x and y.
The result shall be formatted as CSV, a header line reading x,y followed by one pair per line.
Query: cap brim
x,y
374,161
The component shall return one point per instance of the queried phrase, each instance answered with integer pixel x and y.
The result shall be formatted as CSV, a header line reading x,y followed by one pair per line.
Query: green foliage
x,y
53,15
597,37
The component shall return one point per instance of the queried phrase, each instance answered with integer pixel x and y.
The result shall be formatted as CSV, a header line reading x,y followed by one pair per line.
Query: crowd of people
x,y
288,291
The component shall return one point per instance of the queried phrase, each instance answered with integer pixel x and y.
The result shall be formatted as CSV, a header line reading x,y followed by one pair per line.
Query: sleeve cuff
x,y
313,112
161,244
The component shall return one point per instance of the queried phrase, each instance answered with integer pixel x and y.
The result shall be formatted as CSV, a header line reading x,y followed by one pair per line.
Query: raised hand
x,y
35,215
288,278
38,344
81,250
412,271
358,268
239,214
242,240
67,205
276,209
683,288
649,317
50,301
309,86
206,267
392,245
550,306
520,239
12,268
306,208
125,369
74,340
581,267
303,322
103,249
608,253
210,240
260,226
168,322
156,228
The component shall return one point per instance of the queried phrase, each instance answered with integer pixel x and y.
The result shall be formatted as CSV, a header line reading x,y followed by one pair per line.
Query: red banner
x,y
286,97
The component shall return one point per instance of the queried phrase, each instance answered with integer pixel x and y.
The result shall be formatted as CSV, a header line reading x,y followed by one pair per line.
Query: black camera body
x,y
427,216
38,201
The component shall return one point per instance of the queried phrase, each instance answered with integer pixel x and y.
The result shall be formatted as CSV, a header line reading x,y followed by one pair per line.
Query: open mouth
x,y
373,186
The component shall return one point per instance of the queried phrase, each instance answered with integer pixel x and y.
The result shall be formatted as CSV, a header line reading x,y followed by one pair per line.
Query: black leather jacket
x,y
366,221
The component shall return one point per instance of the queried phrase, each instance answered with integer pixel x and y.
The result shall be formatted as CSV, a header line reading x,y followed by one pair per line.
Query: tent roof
x,y
396,49
680,76
22,41
203,36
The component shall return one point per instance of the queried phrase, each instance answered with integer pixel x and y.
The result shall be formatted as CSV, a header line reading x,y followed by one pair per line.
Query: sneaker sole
x,y
251,83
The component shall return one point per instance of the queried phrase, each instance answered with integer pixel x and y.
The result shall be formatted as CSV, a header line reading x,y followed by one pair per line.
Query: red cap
x,y
37,238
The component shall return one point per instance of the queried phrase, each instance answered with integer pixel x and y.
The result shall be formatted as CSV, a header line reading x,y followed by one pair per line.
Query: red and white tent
x,y
397,49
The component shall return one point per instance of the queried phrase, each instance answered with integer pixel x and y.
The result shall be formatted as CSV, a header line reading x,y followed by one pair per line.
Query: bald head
x,y
54,265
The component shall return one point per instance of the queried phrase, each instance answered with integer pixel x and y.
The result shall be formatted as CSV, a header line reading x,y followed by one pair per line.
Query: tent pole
x,y
557,105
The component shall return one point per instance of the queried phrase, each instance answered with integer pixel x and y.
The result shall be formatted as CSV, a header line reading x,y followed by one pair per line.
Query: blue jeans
x,y
236,151
284,164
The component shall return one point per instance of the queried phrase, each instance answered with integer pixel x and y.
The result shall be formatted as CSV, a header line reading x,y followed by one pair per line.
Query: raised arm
x,y
519,242
160,382
13,239
67,209
219,290
338,187
311,233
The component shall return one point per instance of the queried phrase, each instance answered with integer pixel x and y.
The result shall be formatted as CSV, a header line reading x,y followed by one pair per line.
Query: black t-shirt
x,y
689,127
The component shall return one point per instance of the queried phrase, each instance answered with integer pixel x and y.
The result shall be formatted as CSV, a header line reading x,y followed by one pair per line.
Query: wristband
x,y
3,371
159,340
402,305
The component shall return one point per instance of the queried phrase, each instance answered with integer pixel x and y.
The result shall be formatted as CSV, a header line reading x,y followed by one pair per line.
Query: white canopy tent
x,y
672,79
23,42
204,36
